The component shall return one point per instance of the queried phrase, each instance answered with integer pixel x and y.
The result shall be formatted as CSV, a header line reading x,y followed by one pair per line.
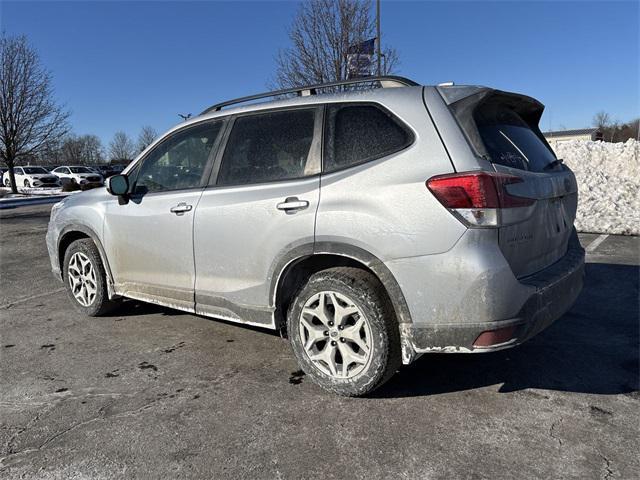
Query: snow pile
x,y
608,177
5,192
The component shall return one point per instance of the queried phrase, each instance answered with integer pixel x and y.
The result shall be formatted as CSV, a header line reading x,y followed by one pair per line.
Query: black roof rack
x,y
390,80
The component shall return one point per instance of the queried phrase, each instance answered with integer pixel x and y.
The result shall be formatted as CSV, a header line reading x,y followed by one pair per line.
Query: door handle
x,y
291,204
181,208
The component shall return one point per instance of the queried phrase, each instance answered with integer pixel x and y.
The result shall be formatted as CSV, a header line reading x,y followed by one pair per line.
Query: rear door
x,y
505,129
260,205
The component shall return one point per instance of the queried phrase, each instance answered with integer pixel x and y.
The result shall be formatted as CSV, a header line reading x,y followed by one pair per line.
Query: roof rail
x,y
385,82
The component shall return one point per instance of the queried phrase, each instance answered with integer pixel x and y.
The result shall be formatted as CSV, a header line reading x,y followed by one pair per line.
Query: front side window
x,y
356,133
268,147
35,170
180,161
17,171
80,170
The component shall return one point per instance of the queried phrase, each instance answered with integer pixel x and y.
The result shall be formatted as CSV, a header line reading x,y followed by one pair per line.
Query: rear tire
x,y
26,183
85,279
343,331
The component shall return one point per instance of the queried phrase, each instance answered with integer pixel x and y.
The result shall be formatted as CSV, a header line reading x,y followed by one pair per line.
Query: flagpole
x,y
378,34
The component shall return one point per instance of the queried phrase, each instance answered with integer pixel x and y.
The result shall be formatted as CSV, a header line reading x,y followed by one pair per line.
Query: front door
x,y
149,240
261,207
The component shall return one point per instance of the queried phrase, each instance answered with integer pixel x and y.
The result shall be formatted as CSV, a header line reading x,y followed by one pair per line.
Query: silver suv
x,y
368,225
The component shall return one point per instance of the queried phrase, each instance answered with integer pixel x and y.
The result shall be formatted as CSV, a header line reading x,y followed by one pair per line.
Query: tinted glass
x,y
509,140
37,170
357,133
178,162
267,147
80,170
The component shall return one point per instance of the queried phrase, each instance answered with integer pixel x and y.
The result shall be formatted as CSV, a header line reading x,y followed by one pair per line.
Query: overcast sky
x,y
121,65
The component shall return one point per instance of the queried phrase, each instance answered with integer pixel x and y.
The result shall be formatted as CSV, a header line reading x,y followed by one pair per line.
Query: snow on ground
x,y
608,177
35,191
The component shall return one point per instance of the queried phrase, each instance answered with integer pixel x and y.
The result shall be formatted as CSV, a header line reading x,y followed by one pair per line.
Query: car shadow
x,y
134,308
593,348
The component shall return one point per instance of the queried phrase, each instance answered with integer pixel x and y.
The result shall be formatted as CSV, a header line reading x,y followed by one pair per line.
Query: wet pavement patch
x,y
296,377
147,366
174,347
599,412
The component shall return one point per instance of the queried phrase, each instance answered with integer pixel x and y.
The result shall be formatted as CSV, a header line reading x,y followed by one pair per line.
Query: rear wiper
x,y
549,166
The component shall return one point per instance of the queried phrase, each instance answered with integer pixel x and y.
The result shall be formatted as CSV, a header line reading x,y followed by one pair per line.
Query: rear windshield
x,y
509,140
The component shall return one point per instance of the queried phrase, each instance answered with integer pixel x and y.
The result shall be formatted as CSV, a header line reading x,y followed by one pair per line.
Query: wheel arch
x,y
73,232
306,260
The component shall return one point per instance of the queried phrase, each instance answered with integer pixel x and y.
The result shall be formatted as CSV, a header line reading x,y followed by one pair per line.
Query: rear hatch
x,y
503,129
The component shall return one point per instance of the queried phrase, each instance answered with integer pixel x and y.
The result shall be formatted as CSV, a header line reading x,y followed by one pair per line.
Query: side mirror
x,y
118,185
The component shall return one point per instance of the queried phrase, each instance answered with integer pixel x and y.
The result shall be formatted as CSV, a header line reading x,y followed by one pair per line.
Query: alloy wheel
x,y
335,334
82,279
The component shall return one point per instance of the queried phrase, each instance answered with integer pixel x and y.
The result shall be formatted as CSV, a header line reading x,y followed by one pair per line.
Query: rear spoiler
x,y
464,100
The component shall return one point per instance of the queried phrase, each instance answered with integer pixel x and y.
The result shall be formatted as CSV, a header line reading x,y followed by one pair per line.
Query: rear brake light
x,y
477,196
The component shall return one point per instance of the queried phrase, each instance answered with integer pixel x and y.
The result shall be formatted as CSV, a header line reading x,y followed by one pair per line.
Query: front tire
x,y
343,331
85,278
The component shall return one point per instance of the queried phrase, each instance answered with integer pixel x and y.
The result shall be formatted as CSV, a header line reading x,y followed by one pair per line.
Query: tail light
x,y
480,199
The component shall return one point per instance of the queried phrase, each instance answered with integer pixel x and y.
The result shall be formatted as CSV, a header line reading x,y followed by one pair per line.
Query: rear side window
x,y
357,133
509,140
269,147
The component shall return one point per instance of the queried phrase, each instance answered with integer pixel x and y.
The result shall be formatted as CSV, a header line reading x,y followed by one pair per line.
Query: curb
x,y
25,202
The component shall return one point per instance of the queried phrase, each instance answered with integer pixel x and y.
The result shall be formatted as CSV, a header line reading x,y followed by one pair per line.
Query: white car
x,y
78,174
31,177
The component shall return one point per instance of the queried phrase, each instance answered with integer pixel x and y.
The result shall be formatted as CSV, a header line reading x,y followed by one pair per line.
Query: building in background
x,y
561,136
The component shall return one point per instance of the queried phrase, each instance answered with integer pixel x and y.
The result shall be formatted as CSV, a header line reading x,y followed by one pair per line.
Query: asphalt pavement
x,y
150,392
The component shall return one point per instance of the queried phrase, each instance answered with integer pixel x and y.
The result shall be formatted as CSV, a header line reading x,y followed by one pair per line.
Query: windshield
x,y
32,170
80,170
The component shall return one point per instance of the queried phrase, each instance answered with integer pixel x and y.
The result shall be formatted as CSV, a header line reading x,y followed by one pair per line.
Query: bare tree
x,y
601,120
320,35
82,150
146,137
121,147
29,117
50,153
71,150
613,129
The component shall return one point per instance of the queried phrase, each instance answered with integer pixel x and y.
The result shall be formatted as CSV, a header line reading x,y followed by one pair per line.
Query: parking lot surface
x,y
150,392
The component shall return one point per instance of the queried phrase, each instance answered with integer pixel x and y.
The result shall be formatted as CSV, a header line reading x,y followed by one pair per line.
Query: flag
x,y
360,59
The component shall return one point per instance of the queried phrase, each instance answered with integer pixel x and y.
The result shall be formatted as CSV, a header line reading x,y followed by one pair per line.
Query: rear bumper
x,y
542,298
